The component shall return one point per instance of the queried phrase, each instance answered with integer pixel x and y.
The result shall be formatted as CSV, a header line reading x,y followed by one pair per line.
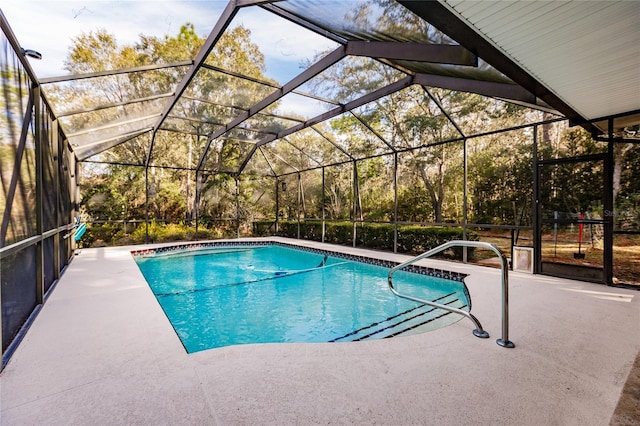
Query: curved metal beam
x,y
83,76
419,52
223,22
369,97
297,81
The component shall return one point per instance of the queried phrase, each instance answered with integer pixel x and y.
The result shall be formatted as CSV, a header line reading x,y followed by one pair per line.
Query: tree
x,y
620,151
212,98
413,121
500,178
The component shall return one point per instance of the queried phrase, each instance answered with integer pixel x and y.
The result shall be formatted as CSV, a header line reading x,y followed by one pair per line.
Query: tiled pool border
x,y
423,270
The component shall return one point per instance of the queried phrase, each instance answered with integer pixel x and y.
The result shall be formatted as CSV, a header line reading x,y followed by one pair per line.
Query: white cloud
x,y
49,26
280,37
281,41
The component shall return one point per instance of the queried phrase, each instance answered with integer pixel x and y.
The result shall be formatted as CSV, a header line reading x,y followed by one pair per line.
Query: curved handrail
x,y
478,332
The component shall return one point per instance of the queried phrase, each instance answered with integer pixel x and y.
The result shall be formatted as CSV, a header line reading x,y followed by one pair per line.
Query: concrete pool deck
x,y
101,351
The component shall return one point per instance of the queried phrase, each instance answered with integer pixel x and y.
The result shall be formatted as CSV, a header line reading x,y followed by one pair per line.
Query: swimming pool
x,y
218,295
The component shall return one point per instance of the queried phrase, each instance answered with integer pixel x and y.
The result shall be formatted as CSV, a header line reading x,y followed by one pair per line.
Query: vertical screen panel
x,y
64,202
49,262
18,292
65,251
626,214
375,180
49,195
17,160
500,173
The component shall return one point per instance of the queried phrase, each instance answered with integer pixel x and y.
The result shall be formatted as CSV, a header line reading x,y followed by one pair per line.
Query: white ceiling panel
x,y
586,52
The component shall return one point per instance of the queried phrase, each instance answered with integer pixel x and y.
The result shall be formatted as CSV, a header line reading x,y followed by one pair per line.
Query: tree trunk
x,y
619,152
546,129
433,194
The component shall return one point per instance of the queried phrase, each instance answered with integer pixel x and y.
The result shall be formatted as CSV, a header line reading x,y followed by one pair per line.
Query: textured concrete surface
x,y
627,412
101,351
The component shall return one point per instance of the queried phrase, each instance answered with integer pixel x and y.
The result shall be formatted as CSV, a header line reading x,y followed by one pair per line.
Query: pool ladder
x,y
478,332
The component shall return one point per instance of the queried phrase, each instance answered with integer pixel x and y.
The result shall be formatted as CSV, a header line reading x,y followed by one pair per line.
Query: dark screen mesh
x,y
65,251
18,291
49,195
49,262
22,172
64,200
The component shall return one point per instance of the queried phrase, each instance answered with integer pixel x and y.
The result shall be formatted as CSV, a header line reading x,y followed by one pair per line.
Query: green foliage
x,y
627,213
628,195
336,232
102,234
375,235
418,239
263,228
409,125
574,187
414,204
113,192
411,239
113,233
23,219
500,179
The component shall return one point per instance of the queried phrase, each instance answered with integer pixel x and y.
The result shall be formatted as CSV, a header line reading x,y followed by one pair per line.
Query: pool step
x,y
435,318
413,320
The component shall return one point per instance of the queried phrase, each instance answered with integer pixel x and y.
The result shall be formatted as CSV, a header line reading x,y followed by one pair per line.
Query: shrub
x,y
412,239
100,234
160,233
418,239
262,228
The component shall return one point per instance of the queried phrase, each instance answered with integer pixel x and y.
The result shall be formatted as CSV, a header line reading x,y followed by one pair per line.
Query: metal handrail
x,y
478,332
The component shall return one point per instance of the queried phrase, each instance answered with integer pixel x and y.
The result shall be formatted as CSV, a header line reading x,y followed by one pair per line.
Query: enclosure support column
x,y
146,204
535,210
53,140
196,200
355,198
359,196
37,112
298,206
237,207
277,204
72,164
395,202
464,200
609,214
323,206
146,189
74,208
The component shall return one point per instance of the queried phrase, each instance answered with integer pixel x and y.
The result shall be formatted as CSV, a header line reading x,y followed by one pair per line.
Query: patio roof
x,y
580,57
528,55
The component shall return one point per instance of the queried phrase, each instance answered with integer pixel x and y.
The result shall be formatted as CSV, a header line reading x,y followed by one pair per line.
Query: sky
x,y
48,26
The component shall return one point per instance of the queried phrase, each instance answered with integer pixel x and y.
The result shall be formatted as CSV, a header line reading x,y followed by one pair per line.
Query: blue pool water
x,y
236,295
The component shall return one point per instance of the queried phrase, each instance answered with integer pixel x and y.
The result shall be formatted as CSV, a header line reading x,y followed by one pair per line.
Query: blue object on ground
x,y
80,232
